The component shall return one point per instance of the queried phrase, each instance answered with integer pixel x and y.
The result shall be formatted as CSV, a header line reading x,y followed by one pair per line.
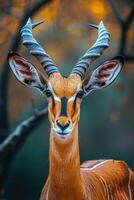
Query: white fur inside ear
x,y
103,76
25,72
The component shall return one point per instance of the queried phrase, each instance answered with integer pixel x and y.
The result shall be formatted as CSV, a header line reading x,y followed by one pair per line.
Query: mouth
x,y
62,134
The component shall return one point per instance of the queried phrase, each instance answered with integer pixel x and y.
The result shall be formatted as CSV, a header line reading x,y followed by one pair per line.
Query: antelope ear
x,y
103,75
25,72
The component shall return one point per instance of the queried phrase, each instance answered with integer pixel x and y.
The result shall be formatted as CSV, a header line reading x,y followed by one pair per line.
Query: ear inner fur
x,y
102,76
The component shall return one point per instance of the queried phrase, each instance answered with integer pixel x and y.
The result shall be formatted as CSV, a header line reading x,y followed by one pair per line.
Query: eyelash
x,y
80,94
48,93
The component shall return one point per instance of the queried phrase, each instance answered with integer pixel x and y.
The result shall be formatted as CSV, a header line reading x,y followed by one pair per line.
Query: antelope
x,y
67,179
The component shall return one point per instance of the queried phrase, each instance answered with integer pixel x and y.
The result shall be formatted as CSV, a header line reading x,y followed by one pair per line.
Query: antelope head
x,y
64,94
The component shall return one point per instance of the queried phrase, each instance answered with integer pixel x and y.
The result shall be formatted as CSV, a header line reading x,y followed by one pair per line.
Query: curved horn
x,y
35,48
94,52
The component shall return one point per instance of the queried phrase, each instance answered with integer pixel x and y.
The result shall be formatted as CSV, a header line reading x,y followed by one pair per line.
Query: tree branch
x,y
130,17
20,134
125,26
116,12
10,147
4,120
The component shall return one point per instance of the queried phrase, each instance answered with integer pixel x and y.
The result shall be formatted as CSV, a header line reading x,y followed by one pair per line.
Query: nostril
x,y
63,126
67,124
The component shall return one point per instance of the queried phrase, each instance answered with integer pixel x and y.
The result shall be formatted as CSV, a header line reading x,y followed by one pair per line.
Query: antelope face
x,y
64,95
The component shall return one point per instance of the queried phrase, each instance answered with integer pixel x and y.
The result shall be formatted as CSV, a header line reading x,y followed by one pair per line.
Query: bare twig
x,y
10,147
116,11
21,132
125,26
130,17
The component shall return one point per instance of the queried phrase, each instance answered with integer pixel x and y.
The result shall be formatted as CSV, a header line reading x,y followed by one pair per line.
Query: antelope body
x,y
67,179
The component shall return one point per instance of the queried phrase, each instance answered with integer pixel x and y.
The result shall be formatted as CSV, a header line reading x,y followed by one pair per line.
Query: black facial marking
x,y
80,94
48,93
63,106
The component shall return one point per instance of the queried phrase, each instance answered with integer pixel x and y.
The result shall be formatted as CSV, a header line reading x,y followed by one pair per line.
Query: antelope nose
x,y
63,126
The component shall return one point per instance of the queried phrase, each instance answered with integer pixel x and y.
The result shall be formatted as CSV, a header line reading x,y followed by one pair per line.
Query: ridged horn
x,y
36,49
94,52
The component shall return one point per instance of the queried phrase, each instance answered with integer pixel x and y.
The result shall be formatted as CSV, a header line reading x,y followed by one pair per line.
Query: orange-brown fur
x,y
67,180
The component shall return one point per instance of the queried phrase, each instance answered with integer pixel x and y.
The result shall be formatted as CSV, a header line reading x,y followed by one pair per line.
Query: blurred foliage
x,y
107,116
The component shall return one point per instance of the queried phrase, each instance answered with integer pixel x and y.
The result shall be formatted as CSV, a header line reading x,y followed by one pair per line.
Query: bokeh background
x,y
106,128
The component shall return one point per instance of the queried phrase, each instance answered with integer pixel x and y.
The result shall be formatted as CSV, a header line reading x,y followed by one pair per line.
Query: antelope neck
x,y
64,171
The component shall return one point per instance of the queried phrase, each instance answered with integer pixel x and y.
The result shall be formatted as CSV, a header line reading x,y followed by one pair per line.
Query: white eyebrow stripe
x,y
58,99
73,97
54,95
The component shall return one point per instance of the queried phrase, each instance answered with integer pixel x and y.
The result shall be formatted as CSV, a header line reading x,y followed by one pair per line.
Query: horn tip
x,y
101,24
29,20
37,23
93,26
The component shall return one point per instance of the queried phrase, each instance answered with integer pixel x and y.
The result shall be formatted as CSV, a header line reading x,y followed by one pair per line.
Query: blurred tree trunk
x,y
125,26
10,145
4,117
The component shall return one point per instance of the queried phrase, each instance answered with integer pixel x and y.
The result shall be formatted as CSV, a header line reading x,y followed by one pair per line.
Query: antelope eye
x,y
80,94
48,93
